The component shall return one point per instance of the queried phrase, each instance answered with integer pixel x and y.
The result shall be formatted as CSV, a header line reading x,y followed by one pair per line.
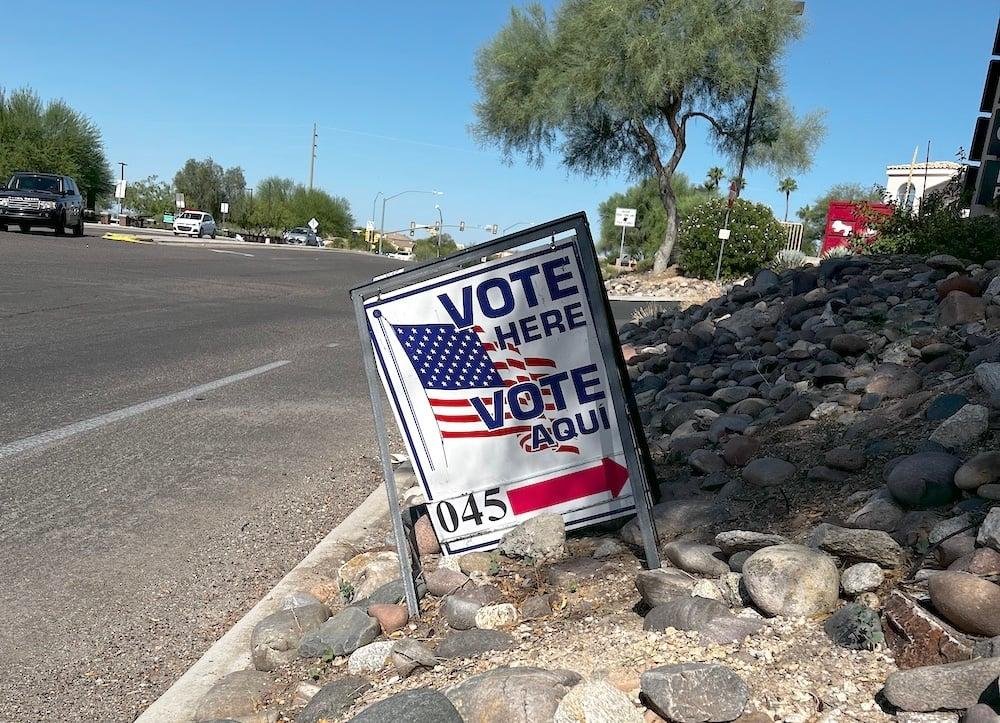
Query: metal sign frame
x,y
635,450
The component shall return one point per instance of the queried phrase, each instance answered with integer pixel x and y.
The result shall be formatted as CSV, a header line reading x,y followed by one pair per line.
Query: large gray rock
x,y
981,713
989,531
659,586
968,602
596,700
676,518
370,658
342,634
893,381
275,639
880,512
239,695
792,580
696,558
512,695
333,699
923,480
733,541
768,472
861,545
542,538
472,643
964,427
863,577
460,607
410,655
690,613
953,686
983,469
422,705
363,574
443,581
694,692
988,376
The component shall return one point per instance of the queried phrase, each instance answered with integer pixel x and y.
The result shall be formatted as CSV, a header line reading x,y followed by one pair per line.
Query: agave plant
x,y
788,259
646,312
838,252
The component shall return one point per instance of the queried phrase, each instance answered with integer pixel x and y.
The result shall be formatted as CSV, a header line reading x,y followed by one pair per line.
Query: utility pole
x,y
312,159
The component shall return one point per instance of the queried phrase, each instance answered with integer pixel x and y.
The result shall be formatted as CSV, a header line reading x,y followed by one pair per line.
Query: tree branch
x,y
706,116
649,141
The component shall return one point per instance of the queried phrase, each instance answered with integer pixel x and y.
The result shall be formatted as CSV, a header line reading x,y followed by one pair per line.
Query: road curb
x,y
231,652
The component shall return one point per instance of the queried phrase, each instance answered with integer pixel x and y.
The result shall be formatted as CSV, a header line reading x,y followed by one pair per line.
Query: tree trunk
x,y
663,254
787,195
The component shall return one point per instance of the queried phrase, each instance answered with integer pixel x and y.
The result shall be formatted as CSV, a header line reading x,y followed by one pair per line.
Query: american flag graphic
x,y
455,366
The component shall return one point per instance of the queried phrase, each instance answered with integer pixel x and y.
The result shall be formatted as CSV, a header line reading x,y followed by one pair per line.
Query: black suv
x,y
42,199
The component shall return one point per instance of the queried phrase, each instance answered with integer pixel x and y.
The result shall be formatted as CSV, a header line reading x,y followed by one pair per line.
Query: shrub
x,y
787,259
939,228
756,238
837,252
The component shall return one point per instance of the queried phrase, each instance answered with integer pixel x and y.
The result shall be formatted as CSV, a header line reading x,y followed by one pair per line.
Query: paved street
x,y
132,541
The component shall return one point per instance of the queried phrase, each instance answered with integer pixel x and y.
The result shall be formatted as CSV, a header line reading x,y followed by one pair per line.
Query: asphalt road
x,y
130,542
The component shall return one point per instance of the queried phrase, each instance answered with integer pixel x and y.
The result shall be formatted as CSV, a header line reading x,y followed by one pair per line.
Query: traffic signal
x,y
461,225
413,227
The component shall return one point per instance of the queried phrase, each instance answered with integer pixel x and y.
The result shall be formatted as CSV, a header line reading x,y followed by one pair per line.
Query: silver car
x,y
195,223
300,235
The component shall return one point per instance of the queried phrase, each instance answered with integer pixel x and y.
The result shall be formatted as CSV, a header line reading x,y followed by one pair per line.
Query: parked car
x,y
402,255
300,235
195,223
42,200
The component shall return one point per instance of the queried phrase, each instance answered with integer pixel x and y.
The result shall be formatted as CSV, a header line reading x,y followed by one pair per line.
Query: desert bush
x,y
788,259
756,238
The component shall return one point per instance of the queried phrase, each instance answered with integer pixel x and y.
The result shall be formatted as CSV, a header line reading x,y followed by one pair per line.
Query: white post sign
x,y
624,217
120,187
224,207
313,224
497,382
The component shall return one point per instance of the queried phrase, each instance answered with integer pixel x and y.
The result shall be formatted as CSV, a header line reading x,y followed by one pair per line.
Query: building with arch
x,y
907,183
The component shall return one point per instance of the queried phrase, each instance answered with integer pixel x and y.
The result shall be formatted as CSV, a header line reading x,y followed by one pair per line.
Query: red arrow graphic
x,y
608,476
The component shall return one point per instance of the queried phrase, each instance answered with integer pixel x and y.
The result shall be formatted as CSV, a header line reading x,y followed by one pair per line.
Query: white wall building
x,y
907,183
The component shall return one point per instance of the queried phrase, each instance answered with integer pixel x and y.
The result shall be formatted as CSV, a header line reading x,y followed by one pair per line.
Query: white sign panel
x,y
625,217
499,387
224,207
179,200
313,224
120,188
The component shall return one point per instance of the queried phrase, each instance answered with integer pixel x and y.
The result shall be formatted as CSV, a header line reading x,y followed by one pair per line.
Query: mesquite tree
x,y
615,84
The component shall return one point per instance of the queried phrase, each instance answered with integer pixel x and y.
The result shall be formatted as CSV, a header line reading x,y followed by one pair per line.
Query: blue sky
x,y
390,86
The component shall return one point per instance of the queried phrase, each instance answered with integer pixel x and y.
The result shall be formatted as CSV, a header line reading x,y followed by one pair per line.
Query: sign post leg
x,y
403,548
621,250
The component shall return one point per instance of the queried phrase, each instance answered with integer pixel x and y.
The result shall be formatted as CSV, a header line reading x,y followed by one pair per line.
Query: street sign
x,y
313,224
179,200
224,207
370,226
506,379
625,217
724,234
120,188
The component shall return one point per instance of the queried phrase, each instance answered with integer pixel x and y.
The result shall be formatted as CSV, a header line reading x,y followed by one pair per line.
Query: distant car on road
x,y
402,255
195,223
42,200
300,235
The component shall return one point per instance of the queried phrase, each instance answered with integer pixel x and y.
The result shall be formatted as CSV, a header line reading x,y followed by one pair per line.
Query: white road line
x,y
332,345
235,253
60,433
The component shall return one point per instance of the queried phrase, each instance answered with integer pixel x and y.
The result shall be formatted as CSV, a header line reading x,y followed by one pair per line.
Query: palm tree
x,y
738,181
787,186
715,176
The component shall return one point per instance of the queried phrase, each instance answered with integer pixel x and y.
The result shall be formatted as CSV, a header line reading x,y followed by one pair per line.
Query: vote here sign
x,y
498,385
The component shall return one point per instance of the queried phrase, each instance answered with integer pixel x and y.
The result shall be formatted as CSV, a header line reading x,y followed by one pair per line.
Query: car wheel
x,y
175,233
24,227
213,234
78,229
60,227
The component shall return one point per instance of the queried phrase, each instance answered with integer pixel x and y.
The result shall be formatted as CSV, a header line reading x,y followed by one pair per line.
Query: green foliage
x,y
151,197
787,259
205,185
787,186
281,203
642,241
52,138
813,216
426,249
613,85
938,228
755,240
714,177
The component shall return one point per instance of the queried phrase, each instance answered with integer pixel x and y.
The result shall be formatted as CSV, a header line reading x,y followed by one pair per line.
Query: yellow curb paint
x,y
125,237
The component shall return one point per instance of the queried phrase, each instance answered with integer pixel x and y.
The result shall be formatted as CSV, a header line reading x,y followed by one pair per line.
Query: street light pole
x,y
516,223
798,8
440,227
121,201
386,199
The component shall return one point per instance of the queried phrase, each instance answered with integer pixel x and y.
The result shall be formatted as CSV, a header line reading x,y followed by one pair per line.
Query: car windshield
x,y
35,183
299,230
189,215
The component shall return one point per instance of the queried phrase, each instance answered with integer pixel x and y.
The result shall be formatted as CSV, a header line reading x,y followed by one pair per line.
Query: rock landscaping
x,y
827,449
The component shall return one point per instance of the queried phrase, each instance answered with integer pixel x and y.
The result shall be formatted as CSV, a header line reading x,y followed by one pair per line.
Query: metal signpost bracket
x,y
635,449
